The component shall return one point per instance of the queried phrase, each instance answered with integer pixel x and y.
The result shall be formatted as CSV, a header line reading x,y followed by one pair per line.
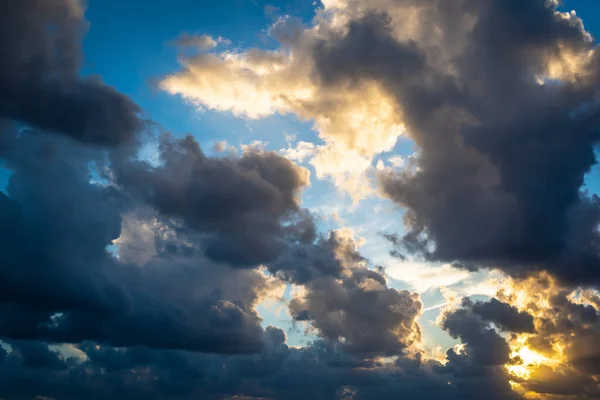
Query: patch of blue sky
x,y
5,174
130,45
275,312
587,10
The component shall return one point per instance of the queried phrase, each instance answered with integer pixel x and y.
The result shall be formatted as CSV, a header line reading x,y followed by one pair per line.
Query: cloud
x,y
348,170
40,42
482,342
200,42
301,152
257,83
354,305
489,137
507,317
225,198
281,372
558,357
190,231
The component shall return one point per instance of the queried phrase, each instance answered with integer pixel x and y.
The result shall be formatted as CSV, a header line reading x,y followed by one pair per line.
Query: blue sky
x,y
129,44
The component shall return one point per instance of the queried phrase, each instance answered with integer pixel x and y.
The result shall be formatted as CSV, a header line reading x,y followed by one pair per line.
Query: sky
x,y
335,199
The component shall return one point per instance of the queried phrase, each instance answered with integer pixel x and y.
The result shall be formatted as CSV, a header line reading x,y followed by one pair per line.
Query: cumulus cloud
x,y
206,195
59,283
40,42
200,42
558,357
282,372
490,137
256,83
355,306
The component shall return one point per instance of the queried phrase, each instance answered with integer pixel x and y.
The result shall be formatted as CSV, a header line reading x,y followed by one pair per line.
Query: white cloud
x,y
356,120
222,146
201,42
397,161
301,152
255,145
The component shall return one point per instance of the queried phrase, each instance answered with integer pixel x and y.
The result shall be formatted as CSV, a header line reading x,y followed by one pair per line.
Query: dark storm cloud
x,y
59,282
367,320
483,343
347,302
501,158
546,381
329,257
319,371
486,352
40,59
471,323
507,317
247,207
575,326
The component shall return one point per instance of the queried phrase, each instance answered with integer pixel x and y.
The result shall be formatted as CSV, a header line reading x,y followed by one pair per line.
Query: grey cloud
x,y
59,282
483,343
575,385
501,158
579,325
471,323
37,355
566,325
247,207
40,59
507,317
351,304
560,319
318,371
201,42
307,262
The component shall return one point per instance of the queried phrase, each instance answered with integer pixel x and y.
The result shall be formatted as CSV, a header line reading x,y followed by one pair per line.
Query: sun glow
x,y
527,360
531,357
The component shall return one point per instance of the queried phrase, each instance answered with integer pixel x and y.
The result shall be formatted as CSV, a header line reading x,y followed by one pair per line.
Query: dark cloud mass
x,y
61,284
281,372
40,59
355,306
507,317
482,342
239,204
502,157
